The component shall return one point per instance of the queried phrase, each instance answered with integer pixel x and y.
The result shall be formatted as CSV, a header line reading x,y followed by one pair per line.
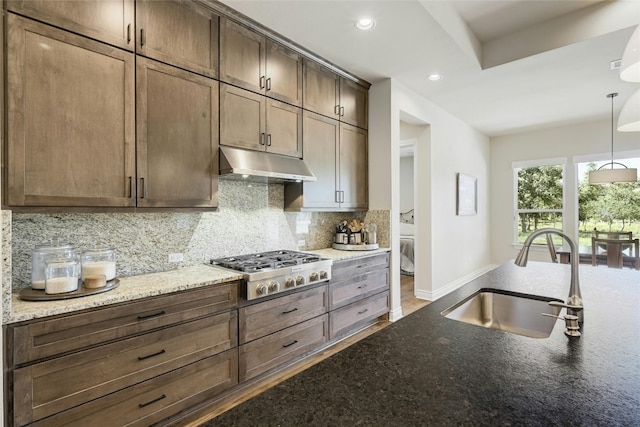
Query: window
x,y
607,207
539,198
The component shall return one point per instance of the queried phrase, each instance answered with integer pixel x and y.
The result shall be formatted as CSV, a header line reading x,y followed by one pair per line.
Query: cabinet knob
x,y
274,286
261,289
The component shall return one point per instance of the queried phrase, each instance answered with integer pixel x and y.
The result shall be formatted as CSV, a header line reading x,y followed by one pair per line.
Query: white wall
x,y
569,142
406,183
450,249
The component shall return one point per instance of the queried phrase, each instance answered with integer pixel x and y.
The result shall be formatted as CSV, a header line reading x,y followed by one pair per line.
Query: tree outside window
x,y
610,207
539,200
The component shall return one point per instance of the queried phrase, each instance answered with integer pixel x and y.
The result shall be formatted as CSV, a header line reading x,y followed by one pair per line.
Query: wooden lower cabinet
x,y
355,316
358,294
156,399
168,358
134,363
52,386
72,332
266,317
259,356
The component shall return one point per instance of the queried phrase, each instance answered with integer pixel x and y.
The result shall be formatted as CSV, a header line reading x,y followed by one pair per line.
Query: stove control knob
x,y
261,289
323,275
289,283
299,281
274,286
313,277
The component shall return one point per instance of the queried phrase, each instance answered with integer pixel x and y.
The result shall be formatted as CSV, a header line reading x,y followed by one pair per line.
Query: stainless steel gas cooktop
x,y
268,273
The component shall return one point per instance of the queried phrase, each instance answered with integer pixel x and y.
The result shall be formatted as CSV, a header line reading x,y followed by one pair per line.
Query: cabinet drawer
x,y
357,315
266,353
356,288
62,334
274,315
45,388
156,399
352,267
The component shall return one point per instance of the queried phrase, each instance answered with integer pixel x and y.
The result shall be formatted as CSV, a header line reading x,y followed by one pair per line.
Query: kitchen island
x,y
429,370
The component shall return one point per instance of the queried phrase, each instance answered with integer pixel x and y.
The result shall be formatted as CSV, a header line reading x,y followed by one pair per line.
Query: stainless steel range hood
x,y
239,163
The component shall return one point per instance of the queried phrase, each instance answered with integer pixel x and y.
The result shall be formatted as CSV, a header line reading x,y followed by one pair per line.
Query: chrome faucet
x,y
574,302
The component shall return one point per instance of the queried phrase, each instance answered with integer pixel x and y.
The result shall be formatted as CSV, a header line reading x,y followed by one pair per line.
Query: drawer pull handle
x,y
142,405
290,311
363,286
363,311
148,356
290,344
148,316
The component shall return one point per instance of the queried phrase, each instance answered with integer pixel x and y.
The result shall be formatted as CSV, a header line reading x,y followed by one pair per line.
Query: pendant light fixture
x,y
611,175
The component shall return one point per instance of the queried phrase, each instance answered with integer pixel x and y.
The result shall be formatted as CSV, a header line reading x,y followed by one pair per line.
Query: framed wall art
x,y
467,195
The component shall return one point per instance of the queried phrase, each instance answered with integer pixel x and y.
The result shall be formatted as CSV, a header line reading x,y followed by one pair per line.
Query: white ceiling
x,y
508,66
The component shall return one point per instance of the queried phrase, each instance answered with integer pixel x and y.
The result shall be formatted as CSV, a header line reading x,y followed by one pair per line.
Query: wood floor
x,y
409,304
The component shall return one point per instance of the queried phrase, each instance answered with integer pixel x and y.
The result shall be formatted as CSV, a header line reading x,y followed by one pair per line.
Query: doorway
x,y
410,193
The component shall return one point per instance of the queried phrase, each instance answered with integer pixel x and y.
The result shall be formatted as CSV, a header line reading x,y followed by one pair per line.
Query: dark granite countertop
x,y
428,370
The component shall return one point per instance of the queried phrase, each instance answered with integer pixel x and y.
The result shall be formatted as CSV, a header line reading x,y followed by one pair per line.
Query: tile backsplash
x,y
250,219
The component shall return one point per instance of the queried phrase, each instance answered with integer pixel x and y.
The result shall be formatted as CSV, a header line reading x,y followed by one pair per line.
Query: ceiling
x,y
508,66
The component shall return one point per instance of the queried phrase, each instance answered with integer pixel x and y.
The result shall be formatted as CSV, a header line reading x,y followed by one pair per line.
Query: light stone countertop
x,y
130,288
147,285
338,255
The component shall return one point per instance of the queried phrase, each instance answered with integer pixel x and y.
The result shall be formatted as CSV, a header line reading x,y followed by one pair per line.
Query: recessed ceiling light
x,y
365,23
435,77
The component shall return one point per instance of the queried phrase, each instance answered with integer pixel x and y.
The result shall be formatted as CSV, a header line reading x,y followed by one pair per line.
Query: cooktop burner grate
x,y
265,261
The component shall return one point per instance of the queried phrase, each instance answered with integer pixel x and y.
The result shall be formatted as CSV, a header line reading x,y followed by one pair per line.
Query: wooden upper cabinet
x,y
110,21
178,33
321,145
71,130
353,167
251,61
283,74
254,122
354,104
331,95
336,153
242,56
321,90
242,118
284,128
177,132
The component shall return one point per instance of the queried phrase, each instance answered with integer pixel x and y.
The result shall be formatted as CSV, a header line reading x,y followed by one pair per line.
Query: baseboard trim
x,y
395,314
452,286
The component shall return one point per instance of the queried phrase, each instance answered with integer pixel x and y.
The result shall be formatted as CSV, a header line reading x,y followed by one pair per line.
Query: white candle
x,y
93,268
37,284
59,285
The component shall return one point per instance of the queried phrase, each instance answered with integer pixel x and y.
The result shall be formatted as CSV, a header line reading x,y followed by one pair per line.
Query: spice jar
x,y
53,248
61,275
99,261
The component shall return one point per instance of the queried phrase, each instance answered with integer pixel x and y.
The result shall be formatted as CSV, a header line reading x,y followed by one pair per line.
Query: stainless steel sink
x,y
506,311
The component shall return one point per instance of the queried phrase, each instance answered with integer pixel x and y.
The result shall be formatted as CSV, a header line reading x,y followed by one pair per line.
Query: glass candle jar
x,y
99,261
61,275
41,252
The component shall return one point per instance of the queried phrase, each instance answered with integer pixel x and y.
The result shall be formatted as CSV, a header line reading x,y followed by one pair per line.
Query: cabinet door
x,y
284,74
353,167
110,21
242,118
320,153
242,56
284,128
71,119
177,138
321,89
178,33
354,103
